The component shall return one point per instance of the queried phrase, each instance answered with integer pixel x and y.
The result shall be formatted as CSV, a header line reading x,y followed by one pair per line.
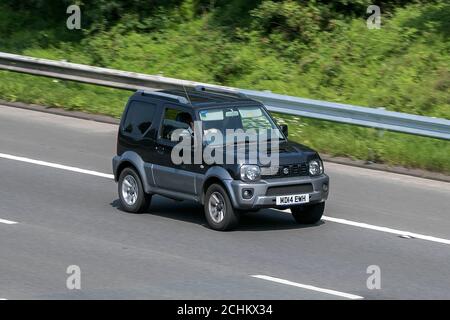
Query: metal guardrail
x,y
343,113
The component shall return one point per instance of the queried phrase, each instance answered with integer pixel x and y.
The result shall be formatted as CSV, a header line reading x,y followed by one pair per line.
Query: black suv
x,y
144,164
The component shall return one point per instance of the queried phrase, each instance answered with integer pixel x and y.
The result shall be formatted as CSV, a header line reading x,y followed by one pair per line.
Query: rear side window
x,y
139,118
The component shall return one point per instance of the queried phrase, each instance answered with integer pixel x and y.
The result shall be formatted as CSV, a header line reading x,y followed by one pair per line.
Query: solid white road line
x,y
388,230
56,166
7,221
405,234
308,287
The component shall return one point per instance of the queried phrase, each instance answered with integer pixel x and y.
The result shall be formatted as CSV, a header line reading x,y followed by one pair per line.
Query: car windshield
x,y
254,120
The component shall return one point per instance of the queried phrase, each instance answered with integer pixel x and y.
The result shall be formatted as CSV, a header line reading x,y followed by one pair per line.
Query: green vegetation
x,y
303,48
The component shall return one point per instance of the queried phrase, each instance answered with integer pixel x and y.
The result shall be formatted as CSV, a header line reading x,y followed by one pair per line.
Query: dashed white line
x,y
56,166
308,287
7,221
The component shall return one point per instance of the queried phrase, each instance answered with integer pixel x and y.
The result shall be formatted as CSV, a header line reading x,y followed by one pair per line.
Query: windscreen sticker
x,y
211,115
250,112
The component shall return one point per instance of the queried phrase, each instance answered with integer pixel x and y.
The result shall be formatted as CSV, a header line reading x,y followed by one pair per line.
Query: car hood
x,y
289,153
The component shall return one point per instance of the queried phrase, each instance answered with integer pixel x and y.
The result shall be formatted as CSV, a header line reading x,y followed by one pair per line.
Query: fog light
x,y
325,187
247,193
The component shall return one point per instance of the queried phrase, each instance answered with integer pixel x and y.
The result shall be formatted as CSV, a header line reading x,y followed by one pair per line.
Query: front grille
x,y
287,190
294,170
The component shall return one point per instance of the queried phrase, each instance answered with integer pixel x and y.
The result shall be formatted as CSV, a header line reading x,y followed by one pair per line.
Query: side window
x,y
175,119
139,118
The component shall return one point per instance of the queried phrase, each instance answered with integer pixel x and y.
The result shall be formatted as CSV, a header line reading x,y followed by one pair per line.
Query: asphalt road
x,y
68,218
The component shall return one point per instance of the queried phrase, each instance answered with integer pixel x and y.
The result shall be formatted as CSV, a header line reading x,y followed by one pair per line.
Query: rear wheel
x,y
310,214
219,211
131,192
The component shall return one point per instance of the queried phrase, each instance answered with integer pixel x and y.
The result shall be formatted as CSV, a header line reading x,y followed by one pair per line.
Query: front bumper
x,y
262,199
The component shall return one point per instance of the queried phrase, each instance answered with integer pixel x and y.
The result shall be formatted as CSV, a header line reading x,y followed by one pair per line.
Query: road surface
x,y
52,217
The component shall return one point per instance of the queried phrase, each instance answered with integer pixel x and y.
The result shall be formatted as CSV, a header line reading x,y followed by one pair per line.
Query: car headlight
x,y
315,167
250,172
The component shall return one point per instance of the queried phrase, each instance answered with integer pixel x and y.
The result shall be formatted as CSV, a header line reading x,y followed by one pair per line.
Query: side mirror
x,y
284,129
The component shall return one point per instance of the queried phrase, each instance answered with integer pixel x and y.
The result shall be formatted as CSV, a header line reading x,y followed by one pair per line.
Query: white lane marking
x,y
388,230
7,221
56,166
308,287
404,234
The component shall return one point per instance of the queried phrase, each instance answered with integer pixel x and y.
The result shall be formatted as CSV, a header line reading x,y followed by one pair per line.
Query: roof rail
x,y
220,90
180,99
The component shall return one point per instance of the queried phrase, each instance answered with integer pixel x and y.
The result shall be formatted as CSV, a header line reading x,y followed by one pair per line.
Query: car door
x,y
168,175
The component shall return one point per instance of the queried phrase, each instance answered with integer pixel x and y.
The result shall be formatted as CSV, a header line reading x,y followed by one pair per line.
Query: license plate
x,y
292,199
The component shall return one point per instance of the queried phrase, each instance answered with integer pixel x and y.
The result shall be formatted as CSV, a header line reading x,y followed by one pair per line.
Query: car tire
x,y
131,192
310,214
219,211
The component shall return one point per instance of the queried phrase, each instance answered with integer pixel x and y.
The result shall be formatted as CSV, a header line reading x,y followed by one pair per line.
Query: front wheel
x,y
131,192
310,214
219,211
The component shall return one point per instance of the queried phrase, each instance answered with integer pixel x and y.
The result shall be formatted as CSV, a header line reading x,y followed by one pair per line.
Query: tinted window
x,y
174,119
139,118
